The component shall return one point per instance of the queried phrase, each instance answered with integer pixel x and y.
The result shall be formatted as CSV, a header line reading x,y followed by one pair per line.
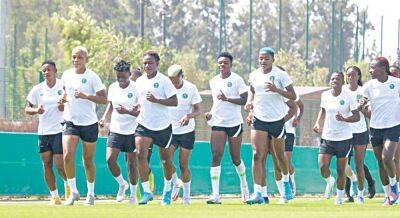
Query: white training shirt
x,y
124,124
224,113
81,112
289,128
154,116
361,125
42,95
269,106
188,95
344,103
384,100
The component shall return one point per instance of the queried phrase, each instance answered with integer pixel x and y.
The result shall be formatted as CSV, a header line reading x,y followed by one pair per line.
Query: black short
x,y
88,133
289,141
379,136
276,129
339,149
51,143
161,138
185,140
360,138
230,131
125,143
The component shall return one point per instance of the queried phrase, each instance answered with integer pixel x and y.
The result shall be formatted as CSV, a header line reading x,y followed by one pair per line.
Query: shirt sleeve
x,y
242,88
365,91
286,80
196,96
109,93
323,100
32,96
353,103
169,88
97,84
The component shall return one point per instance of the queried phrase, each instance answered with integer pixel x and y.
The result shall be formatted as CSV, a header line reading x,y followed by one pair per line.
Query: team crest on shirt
x,y
156,85
391,86
59,92
341,102
358,97
130,95
272,78
229,84
185,96
84,80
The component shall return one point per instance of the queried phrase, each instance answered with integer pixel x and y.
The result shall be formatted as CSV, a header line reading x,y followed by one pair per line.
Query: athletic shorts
x,y
162,138
289,141
339,149
379,136
51,143
235,131
86,133
185,140
360,138
276,129
125,143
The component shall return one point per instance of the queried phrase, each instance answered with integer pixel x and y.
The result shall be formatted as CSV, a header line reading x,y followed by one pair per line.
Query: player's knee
x,y
47,164
111,160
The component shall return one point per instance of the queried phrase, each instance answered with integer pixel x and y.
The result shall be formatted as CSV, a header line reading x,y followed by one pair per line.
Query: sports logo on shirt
x,y
156,85
358,97
130,95
185,96
272,78
59,92
229,84
391,86
341,102
84,80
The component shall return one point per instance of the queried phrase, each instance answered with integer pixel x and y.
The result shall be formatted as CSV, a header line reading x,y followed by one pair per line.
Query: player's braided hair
x,y
123,66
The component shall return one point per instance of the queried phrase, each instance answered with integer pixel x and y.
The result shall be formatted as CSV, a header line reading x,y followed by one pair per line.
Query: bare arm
x,y
239,101
31,110
292,110
355,117
320,119
288,92
99,98
171,101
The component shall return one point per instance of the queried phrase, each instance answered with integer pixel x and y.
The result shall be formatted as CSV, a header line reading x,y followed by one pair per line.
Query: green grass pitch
x,y
230,208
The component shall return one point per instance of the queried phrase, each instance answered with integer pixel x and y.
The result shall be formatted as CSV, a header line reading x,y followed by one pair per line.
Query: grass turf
x,y
230,208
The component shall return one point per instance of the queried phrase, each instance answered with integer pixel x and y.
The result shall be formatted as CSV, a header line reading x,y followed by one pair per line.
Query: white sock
x,y
285,177
54,193
339,194
186,189
360,193
329,179
257,188
215,173
133,189
72,185
120,180
241,171
174,178
279,184
167,185
264,191
386,190
353,178
146,187
392,181
90,187
292,178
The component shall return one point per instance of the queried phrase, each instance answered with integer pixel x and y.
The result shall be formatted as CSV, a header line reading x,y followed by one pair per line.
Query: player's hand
x,y
60,106
339,117
270,87
79,94
40,109
122,110
208,116
317,128
363,102
136,110
102,122
248,106
150,97
249,119
296,122
221,96
184,121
